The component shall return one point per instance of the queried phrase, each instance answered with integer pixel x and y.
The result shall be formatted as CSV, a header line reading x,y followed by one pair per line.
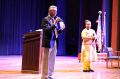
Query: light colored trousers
x,y
48,61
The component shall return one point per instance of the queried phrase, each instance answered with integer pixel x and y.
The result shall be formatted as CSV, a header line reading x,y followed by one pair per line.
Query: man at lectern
x,y
88,50
52,26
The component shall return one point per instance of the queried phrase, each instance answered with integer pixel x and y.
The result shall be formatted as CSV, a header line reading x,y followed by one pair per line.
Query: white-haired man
x,y
52,25
88,50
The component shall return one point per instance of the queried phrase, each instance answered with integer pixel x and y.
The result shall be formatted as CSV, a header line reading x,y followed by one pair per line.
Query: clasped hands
x,y
62,25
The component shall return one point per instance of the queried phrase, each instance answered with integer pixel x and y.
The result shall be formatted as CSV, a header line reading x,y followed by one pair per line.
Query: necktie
x,y
55,30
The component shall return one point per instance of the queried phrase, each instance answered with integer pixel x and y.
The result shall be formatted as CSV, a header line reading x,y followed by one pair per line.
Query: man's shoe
x,y
85,70
91,70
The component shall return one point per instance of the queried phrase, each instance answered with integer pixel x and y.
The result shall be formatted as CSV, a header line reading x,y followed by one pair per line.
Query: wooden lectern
x,y
32,52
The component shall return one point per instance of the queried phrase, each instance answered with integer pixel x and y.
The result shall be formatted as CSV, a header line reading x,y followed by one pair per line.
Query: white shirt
x,y
87,36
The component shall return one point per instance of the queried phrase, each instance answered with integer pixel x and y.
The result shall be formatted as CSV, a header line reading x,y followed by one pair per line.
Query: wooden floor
x,y
65,68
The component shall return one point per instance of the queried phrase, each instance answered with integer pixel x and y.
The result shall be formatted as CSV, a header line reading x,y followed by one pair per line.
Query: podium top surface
x,y
32,34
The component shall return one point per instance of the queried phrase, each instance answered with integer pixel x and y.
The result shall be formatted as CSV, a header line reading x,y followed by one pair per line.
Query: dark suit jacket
x,y
49,38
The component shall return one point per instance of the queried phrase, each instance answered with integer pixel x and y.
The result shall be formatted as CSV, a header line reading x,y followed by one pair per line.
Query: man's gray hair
x,y
52,7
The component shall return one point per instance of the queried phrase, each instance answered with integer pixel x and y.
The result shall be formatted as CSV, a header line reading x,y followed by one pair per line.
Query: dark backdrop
x,y
20,16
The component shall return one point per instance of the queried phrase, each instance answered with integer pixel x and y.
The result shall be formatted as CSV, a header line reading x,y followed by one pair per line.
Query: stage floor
x,y
65,68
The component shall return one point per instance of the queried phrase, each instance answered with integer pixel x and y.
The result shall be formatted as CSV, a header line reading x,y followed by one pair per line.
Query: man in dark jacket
x,y
52,25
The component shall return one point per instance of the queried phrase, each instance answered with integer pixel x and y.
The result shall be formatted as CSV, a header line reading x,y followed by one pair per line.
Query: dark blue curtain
x,y
77,12
107,7
16,18
21,16
62,38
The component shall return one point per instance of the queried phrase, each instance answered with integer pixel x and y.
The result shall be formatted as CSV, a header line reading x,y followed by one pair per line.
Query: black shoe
x,y
91,70
50,77
86,71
